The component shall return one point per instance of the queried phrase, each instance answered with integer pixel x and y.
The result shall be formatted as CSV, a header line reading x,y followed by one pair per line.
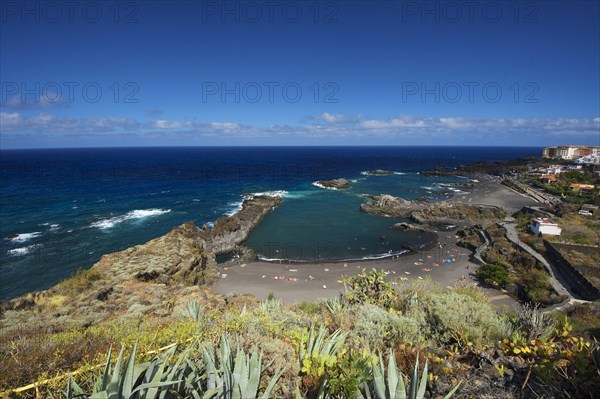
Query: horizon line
x,y
289,146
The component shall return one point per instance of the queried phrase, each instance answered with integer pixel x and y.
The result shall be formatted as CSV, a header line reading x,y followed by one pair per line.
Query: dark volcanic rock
x,y
334,184
387,205
410,226
430,213
379,172
229,231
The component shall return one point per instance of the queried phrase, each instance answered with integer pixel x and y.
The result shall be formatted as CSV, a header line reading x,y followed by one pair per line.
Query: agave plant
x,y
236,377
146,380
191,310
269,306
315,344
316,352
536,323
393,386
334,305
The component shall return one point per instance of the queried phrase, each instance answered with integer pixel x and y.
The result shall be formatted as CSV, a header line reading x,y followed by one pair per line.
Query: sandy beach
x,y
442,265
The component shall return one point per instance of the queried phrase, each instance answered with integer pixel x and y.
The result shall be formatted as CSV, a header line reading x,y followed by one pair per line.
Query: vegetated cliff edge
x,y
144,279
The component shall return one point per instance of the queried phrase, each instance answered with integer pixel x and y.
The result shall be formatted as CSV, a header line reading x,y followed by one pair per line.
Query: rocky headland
x,y
230,231
136,281
429,213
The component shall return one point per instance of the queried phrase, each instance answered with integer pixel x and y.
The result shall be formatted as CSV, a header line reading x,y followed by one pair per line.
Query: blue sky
x,y
85,73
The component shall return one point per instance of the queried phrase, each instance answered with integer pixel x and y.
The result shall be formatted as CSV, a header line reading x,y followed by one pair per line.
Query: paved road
x,y
558,282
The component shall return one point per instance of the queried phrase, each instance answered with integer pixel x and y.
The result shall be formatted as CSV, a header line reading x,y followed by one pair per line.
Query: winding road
x,y
559,284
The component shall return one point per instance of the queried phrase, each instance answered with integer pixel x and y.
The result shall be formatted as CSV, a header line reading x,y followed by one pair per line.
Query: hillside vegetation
x,y
367,343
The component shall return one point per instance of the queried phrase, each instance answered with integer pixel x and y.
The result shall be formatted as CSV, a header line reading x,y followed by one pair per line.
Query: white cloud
x,y
21,102
224,126
164,124
332,118
320,127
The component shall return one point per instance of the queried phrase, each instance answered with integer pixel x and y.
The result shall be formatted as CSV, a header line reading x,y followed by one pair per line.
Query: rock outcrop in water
x,y
334,184
379,172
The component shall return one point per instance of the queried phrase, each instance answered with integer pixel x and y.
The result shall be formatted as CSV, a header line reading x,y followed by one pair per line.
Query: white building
x,y
592,159
569,151
544,226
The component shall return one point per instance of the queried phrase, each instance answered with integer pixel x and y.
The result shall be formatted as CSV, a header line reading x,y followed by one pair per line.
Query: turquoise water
x,y
319,224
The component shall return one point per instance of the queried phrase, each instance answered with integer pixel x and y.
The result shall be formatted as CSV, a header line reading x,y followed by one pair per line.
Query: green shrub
x,y
371,287
493,274
537,285
375,326
454,317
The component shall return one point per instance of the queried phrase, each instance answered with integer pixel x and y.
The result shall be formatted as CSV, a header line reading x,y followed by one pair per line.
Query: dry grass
x,y
81,280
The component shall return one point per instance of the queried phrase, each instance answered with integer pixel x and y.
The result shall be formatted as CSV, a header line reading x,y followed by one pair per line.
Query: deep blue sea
x,y
61,209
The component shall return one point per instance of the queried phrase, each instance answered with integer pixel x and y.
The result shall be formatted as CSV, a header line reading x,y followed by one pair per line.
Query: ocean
x,y
62,209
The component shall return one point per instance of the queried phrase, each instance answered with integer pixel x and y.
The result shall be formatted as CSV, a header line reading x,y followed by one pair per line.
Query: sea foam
x,y
24,237
135,214
317,184
238,205
23,250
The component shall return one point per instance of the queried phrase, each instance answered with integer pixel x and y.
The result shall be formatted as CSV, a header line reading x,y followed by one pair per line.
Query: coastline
x,y
306,279
301,281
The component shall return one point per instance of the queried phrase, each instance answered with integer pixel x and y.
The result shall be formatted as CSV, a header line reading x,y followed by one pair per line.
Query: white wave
x,y
367,173
275,193
317,184
237,206
457,191
382,256
23,237
135,214
265,259
430,188
368,257
23,250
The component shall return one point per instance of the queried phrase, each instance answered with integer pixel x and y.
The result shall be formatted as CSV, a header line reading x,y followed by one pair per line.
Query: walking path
x,y
559,284
486,242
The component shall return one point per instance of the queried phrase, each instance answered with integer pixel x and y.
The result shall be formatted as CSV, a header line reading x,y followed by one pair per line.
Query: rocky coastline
x,y
230,231
135,281
429,213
